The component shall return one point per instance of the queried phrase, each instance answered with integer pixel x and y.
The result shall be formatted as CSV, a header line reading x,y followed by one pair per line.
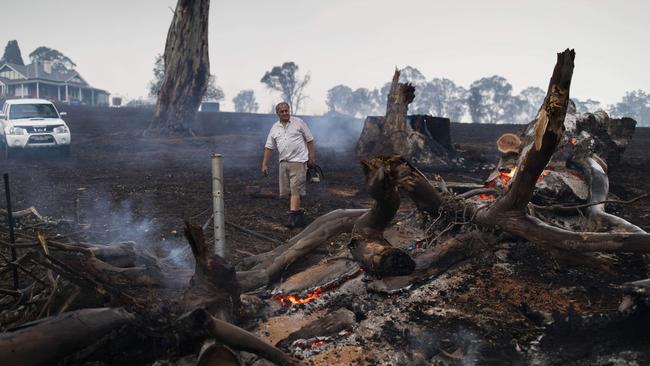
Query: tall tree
x,y
59,61
12,54
158,76
363,102
442,98
213,91
187,69
490,99
338,99
589,105
360,102
635,104
285,80
245,102
523,107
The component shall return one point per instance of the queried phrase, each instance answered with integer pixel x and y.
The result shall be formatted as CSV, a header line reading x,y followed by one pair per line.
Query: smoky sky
x,y
352,42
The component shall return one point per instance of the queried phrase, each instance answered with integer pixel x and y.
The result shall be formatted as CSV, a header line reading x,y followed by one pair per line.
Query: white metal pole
x,y
217,203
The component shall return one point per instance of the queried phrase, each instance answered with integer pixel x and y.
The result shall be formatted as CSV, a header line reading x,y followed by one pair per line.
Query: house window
x,y
22,91
9,74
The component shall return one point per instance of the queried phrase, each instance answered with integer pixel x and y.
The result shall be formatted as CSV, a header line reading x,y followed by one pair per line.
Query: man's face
x,y
283,112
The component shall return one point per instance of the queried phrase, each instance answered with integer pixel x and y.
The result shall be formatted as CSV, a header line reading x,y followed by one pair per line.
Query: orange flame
x,y
574,141
541,176
290,300
317,343
505,177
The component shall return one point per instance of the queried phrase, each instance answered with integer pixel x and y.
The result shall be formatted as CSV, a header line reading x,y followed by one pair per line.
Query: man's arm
x,y
311,158
265,161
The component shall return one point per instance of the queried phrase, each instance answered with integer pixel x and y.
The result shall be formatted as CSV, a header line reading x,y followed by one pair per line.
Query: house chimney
x,y
47,66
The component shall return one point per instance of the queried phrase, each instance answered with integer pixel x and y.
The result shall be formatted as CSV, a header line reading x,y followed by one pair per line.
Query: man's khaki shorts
x,y
293,177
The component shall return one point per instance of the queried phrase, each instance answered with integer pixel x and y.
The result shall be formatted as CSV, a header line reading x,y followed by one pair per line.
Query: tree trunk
x,y
187,69
214,285
327,326
375,255
46,341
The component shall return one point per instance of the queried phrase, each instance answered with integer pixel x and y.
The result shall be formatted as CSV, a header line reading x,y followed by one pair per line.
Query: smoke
x,y
335,133
116,221
125,220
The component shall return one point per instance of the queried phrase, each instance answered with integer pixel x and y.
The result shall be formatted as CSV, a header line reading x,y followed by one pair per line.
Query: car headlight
x,y
61,129
17,131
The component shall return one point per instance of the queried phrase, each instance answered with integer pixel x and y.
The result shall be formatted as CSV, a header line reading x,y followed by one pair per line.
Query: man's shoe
x,y
300,218
296,219
291,221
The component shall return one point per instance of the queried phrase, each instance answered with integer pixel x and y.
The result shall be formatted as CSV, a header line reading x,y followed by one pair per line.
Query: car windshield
x,y
32,111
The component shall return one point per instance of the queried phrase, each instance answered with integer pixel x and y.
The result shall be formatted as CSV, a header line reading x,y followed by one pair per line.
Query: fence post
x,y
218,205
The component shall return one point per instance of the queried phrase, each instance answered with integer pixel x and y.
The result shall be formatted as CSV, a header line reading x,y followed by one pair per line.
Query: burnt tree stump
x,y
420,139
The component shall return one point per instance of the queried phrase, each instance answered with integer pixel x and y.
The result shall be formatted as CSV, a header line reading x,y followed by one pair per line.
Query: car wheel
x,y
65,151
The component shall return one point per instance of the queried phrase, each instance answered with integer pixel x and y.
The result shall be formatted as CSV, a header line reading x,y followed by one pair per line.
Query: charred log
x,y
49,340
242,340
367,246
271,266
214,285
329,325
435,261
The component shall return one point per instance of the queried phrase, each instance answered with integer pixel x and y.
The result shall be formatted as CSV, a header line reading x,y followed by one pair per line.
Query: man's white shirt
x,y
290,140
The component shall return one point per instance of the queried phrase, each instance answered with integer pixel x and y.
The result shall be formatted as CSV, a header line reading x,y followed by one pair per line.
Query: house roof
x,y
37,71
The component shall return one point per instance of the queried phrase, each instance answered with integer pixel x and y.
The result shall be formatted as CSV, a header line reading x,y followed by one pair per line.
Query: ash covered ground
x,y
487,310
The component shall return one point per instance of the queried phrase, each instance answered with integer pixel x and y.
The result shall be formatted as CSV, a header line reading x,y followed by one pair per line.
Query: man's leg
x,y
283,180
294,202
297,179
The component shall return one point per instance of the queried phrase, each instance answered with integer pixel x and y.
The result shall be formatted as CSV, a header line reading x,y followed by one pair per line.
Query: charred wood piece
x,y
47,340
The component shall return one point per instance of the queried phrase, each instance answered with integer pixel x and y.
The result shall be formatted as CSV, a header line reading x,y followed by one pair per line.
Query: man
x,y
295,144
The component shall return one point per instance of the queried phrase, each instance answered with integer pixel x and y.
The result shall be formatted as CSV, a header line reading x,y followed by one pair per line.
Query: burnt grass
x,y
122,186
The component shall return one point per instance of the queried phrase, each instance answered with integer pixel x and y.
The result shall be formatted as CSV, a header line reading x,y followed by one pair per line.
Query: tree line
x,y
488,100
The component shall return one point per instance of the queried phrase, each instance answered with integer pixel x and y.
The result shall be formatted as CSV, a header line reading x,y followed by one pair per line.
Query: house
x,y
42,80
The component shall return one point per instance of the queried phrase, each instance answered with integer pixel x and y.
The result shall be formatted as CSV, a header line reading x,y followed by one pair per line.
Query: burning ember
x,y
290,300
505,176
317,342
574,141
541,176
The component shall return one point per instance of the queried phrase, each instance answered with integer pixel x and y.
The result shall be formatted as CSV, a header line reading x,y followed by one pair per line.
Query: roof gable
x,y
18,69
77,79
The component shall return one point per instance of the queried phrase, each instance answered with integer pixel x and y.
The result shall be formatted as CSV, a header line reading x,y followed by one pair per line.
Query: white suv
x,y
32,123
